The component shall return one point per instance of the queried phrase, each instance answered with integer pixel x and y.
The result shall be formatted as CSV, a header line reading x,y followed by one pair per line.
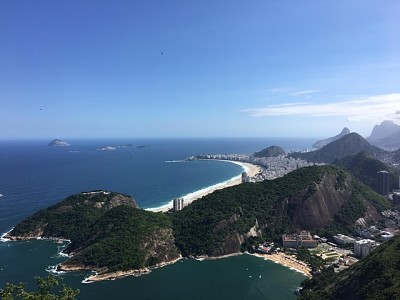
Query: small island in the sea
x,y
106,148
58,143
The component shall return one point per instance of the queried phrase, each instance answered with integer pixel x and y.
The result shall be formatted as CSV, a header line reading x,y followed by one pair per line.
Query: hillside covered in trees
x,y
347,145
375,277
110,234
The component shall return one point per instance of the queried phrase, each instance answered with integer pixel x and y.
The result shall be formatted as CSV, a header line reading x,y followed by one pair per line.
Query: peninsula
x,y
109,234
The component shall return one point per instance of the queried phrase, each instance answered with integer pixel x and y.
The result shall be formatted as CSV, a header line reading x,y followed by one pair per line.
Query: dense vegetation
x,y
108,233
117,241
106,230
47,288
365,168
73,217
375,277
209,226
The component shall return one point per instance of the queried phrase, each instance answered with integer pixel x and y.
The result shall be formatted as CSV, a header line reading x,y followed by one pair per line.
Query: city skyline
x,y
97,69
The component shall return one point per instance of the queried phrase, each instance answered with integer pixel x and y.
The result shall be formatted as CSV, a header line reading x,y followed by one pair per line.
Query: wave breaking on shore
x,y
190,197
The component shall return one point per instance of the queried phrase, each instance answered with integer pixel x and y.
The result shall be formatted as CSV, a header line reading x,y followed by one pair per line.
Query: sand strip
x,y
251,170
288,261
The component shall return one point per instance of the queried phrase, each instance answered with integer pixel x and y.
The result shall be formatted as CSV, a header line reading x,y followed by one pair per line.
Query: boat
x,y
1,195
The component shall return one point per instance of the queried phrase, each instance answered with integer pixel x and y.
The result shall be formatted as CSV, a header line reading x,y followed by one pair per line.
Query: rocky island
x,y
58,143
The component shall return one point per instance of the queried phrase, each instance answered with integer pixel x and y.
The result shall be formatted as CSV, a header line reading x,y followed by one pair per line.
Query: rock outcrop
x,y
315,207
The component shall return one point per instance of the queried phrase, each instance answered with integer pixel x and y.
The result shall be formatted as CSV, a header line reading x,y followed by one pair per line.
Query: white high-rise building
x,y
364,247
178,204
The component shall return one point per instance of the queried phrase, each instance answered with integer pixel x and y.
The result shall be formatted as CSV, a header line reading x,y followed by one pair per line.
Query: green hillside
x,y
365,168
108,233
272,151
321,198
350,144
375,277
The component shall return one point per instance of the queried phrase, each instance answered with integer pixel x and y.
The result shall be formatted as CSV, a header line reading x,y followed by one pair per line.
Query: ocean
x,y
34,176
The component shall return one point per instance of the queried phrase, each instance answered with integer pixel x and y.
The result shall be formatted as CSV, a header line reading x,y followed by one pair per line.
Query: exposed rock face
x,y
386,136
107,200
233,241
58,143
160,246
317,210
322,143
384,130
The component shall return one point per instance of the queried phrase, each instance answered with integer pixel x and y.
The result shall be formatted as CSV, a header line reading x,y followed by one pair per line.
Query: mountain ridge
x,y
321,143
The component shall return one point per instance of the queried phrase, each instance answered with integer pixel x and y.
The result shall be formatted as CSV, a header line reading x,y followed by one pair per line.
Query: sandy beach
x,y
288,261
251,170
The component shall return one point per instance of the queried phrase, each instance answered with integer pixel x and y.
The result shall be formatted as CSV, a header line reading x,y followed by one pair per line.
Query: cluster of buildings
x,y
296,240
361,247
272,167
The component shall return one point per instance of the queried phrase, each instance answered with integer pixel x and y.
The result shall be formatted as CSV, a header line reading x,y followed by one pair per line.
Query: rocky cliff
x,y
316,206
322,198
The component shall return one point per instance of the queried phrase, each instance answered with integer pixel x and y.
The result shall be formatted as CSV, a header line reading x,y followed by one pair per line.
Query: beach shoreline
x,y
287,261
250,169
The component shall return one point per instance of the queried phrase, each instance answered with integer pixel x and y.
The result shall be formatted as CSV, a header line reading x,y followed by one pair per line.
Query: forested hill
x,y
71,218
348,145
375,277
109,234
271,151
324,198
365,168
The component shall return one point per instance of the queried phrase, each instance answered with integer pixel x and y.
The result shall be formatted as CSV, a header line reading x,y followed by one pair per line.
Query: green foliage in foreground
x,y
47,289
375,277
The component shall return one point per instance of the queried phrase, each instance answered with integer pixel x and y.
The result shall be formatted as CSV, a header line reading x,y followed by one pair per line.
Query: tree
x,y
46,290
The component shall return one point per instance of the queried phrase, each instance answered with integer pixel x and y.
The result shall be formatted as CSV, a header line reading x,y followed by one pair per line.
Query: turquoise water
x,y
34,176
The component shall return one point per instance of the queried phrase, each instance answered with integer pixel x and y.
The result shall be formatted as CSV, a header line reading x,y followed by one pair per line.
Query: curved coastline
x,y
251,169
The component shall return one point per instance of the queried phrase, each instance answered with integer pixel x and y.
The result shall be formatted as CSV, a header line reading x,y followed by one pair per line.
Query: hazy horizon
x,y
157,69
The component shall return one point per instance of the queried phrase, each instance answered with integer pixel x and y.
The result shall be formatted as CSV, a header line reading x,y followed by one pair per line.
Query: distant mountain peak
x,y
322,143
349,144
385,129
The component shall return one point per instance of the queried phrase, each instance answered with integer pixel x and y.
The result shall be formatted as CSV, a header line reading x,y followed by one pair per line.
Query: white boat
x,y
1,195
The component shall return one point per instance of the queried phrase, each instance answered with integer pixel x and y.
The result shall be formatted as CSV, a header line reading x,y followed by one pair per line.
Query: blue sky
x,y
111,69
